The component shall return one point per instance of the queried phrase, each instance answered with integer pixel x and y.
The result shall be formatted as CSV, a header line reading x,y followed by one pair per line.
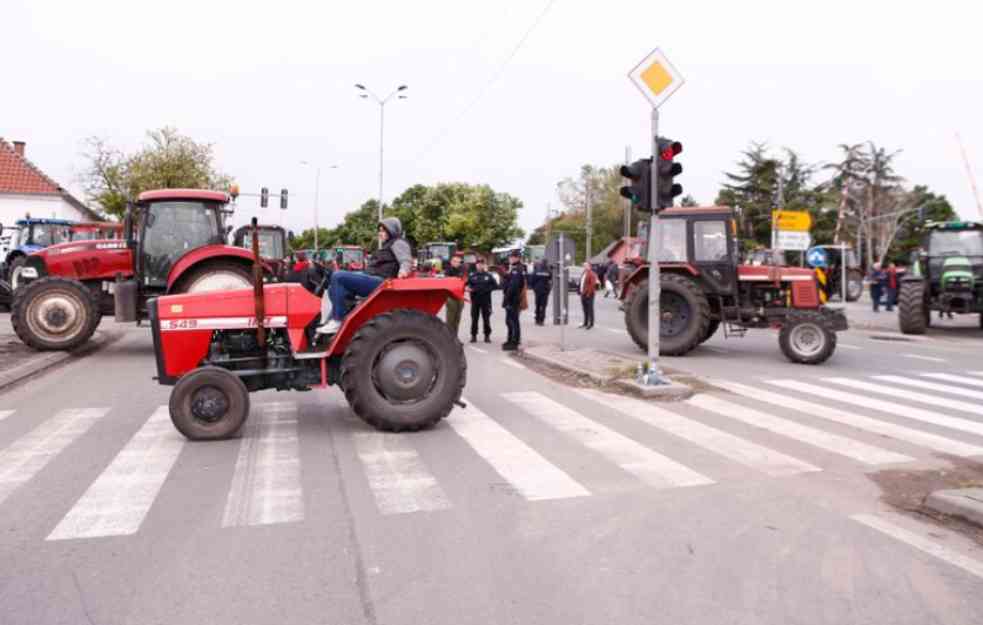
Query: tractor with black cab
x,y
273,246
398,364
946,275
704,288
174,241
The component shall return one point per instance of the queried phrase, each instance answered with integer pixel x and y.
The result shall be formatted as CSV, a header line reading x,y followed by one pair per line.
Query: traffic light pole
x,y
652,376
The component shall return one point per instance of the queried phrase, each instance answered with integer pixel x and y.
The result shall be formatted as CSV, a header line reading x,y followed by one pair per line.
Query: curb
x,y
965,503
552,362
50,360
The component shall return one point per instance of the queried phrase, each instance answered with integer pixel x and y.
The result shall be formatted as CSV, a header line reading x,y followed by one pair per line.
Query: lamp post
x,y
366,93
317,189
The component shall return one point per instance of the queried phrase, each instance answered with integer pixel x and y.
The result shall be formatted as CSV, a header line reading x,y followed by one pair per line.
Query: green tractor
x,y
946,275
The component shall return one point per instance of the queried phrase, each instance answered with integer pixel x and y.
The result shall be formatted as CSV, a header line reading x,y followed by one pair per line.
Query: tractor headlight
x,y
29,272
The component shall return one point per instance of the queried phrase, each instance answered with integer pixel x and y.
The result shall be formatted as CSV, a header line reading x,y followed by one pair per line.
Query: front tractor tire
x,y
806,338
55,314
685,321
215,276
913,310
209,403
403,371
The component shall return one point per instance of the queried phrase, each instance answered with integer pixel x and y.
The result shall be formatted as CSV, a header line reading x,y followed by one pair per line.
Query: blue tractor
x,y
32,235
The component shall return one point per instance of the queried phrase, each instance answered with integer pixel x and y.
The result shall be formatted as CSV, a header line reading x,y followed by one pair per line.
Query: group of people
x,y
883,286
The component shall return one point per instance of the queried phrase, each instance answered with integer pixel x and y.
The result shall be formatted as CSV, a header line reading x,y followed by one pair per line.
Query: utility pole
x,y
590,223
366,93
972,179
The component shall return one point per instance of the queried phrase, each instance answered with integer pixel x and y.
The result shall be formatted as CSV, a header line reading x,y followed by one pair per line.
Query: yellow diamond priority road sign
x,y
656,78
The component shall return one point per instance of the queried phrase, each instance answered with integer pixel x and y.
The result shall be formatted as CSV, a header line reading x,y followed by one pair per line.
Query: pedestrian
x,y
891,280
513,287
480,285
588,286
878,280
454,305
542,284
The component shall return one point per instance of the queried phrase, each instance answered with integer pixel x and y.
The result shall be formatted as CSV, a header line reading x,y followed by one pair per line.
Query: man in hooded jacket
x,y
393,259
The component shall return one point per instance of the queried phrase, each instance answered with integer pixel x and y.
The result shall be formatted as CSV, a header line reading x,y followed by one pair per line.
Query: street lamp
x,y
317,185
366,93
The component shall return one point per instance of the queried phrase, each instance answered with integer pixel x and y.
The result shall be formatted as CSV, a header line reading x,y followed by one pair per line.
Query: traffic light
x,y
667,189
640,189
264,197
283,199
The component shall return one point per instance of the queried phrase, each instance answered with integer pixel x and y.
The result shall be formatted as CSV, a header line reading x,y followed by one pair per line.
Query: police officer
x,y
480,285
513,286
542,283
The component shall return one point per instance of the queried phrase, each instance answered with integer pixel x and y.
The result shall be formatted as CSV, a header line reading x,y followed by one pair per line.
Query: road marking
x,y
893,391
941,552
848,346
530,474
266,486
511,362
861,452
928,358
901,410
931,386
26,456
5,413
884,428
954,378
399,480
477,349
615,330
117,502
651,467
723,443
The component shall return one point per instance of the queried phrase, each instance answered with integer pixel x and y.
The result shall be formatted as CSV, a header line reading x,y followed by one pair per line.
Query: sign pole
x,y
843,274
563,301
653,376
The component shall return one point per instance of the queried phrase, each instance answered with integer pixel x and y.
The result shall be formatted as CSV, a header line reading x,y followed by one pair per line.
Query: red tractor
x,y
273,242
400,367
173,242
704,287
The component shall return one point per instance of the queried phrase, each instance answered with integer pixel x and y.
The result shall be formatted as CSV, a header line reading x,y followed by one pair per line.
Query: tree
x,y
601,186
847,181
688,200
168,160
911,229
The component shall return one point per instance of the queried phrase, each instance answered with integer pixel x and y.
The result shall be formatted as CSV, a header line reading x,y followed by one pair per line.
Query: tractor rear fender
x,y
196,257
642,273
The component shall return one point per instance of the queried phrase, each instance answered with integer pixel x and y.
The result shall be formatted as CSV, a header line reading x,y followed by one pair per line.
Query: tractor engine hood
x,y
82,260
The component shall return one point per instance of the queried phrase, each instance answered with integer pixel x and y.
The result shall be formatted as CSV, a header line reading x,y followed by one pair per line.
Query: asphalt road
x,y
751,503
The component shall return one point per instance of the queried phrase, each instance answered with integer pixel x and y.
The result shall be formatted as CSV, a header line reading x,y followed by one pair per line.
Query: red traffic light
x,y
671,150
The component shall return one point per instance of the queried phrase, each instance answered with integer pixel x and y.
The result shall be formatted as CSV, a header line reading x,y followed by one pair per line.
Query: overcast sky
x,y
271,84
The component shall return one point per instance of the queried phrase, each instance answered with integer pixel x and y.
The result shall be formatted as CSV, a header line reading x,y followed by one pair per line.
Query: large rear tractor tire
x,y
55,314
403,371
711,330
209,403
215,276
854,285
685,315
913,310
806,338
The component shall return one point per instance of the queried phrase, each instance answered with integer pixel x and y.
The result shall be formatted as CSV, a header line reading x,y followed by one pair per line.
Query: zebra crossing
x,y
698,440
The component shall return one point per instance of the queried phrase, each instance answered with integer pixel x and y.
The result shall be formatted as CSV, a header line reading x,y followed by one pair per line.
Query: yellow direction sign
x,y
656,78
791,221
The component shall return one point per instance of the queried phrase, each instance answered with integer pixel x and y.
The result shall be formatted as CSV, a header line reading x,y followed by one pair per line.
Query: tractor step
x,y
310,355
734,330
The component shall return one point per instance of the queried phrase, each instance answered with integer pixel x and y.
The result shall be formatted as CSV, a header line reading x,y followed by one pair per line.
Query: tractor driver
x,y
392,260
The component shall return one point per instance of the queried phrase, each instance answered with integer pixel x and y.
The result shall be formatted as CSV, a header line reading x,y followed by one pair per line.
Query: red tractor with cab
x,y
173,241
273,246
704,288
400,367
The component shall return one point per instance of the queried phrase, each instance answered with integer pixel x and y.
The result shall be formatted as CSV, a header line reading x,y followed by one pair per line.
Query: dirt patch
x,y
906,491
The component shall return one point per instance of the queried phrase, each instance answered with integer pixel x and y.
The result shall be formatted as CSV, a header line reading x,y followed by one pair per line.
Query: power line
x,y
445,132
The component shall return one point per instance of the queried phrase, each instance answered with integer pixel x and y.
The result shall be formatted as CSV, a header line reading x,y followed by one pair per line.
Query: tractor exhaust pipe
x,y
258,288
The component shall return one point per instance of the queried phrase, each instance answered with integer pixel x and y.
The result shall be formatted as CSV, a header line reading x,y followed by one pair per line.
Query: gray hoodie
x,y
399,246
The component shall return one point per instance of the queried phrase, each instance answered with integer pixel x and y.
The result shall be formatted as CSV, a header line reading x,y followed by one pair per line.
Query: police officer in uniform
x,y
513,286
542,283
480,285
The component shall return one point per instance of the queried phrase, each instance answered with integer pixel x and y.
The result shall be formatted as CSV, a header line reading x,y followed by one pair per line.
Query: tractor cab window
x,y
349,256
270,244
171,229
710,241
47,234
956,243
673,241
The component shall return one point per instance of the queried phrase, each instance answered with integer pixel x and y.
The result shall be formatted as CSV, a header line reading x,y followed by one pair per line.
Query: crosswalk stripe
x,y
477,349
884,428
399,480
723,443
861,452
530,474
959,379
651,467
931,386
890,407
117,502
893,391
266,487
5,413
512,363
926,358
932,548
848,346
26,456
